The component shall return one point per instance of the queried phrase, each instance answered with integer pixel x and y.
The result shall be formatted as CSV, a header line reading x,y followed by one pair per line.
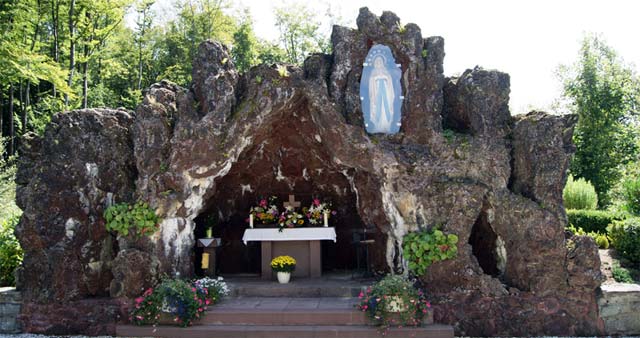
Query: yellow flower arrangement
x,y
283,264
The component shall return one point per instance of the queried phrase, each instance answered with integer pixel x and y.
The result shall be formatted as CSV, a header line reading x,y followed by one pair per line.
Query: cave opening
x,y
484,243
289,158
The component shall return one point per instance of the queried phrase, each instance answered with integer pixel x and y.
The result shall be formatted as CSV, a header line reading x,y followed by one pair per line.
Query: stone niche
x,y
460,160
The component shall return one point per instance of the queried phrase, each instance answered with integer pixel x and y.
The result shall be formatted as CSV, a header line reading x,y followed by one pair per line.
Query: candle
x,y
209,233
205,260
251,220
326,219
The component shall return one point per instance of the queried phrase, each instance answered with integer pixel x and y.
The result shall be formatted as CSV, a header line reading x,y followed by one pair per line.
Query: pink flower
x,y
263,203
200,309
139,300
316,202
139,317
207,302
193,289
361,295
424,310
246,220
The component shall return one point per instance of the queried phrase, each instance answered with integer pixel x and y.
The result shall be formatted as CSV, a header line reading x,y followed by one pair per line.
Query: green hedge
x,y
625,237
592,220
10,251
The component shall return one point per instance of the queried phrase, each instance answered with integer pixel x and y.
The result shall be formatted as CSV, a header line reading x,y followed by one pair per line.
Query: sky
x,y
527,39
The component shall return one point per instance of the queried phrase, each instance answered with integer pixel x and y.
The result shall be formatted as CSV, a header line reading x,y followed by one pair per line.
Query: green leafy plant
x,y
10,251
283,71
421,249
449,135
138,219
592,220
579,194
620,274
625,238
394,301
601,239
631,195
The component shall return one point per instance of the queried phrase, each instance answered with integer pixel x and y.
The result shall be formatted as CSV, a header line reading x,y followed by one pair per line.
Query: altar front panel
x,y
306,253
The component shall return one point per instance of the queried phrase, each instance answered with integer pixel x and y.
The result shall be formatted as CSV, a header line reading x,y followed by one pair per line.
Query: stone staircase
x,y
304,308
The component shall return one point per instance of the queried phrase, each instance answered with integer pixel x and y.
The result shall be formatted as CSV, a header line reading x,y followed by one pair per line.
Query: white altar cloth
x,y
292,234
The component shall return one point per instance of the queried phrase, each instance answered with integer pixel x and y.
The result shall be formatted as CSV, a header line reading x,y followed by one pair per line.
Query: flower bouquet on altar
x,y
290,218
266,212
319,212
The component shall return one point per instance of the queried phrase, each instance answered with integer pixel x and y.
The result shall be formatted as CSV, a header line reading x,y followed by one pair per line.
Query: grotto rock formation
x,y
492,178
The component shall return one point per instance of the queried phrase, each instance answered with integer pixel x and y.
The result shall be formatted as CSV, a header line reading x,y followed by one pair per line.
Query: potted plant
x,y
394,301
283,266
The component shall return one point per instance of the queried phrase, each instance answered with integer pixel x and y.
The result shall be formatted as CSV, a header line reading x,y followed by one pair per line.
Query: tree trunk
x,y
85,84
55,15
1,114
144,18
27,103
11,127
72,50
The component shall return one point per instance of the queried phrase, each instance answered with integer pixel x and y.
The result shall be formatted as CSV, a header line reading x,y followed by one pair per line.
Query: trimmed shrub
x,y
592,220
579,194
601,239
625,238
10,251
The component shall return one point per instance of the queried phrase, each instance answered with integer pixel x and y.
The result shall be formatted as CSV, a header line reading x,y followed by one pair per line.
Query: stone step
x,y
296,288
285,317
280,331
285,311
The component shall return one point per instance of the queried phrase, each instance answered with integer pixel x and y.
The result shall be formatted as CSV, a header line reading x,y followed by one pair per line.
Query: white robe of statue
x,y
381,97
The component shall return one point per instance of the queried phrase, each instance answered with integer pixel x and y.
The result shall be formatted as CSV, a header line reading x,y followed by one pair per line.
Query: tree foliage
x,y
66,54
605,93
299,32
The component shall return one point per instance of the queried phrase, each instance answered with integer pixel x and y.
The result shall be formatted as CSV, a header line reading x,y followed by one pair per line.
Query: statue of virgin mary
x,y
381,97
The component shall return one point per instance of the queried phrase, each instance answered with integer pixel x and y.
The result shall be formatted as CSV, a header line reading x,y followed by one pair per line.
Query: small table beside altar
x,y
303,244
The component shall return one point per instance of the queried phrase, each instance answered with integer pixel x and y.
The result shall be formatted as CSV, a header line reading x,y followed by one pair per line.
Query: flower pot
x,y
283,277
395,304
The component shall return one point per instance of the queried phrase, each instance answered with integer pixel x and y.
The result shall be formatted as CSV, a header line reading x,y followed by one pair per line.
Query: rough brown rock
x,y
493,179
65,180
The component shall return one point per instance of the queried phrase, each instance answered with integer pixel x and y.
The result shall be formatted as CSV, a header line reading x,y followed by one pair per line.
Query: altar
x,y
303,244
